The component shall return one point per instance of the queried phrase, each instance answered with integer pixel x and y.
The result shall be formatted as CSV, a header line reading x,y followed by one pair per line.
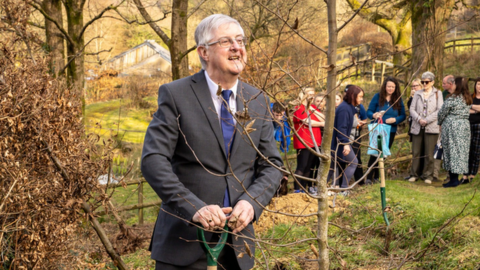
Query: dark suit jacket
x,y
184,161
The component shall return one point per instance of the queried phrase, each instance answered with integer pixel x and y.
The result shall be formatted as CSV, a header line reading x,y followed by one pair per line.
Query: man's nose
x,y
234,46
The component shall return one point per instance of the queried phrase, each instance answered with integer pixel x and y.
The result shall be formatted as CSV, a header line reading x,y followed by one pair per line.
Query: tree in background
x,y
177,43
392,16
54,37
420,25
74,35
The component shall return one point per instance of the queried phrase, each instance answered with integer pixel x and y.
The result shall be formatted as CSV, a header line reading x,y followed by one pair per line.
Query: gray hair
x,y
450,79
206,28
428,75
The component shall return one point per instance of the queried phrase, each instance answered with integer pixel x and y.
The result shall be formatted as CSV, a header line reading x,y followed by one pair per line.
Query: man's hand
x,y
212,216
391,120
241,216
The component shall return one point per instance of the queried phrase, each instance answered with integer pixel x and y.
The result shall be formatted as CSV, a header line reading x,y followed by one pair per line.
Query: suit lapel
x,y
240,98
200,88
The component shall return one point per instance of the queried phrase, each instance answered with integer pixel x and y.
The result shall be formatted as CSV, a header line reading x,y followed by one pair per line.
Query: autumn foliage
x,y
48,166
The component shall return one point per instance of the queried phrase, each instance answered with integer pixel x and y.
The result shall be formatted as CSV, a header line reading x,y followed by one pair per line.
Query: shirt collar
x,y
213,87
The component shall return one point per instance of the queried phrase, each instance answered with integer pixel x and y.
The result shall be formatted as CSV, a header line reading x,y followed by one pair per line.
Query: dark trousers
x,y
423,146
474,154
358,153
305,166
226,260
374,174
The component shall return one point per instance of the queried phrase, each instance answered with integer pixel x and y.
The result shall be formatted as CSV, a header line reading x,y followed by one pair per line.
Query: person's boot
x,y
452,183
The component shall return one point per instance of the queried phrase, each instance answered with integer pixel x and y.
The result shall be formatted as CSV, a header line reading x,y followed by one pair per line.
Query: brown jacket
x,y
434,103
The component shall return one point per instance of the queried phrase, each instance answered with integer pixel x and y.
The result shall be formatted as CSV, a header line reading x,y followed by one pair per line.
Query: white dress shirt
x,y
217,100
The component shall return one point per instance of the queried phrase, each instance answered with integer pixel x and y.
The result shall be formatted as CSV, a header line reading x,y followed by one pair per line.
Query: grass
x,y
418,211
106,118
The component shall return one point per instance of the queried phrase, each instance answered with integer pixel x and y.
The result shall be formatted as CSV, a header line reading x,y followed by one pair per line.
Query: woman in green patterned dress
x,y
453,117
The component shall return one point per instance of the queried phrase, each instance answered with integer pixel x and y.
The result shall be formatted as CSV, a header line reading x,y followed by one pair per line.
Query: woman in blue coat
x,y
345,121
388,105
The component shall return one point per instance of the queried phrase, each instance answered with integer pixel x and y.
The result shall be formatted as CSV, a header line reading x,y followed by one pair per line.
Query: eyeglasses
x,y
227,42
426,82
415,85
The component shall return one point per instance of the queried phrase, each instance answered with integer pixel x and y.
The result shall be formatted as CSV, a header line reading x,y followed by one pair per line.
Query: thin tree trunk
x,y
54,37
322,214
178,45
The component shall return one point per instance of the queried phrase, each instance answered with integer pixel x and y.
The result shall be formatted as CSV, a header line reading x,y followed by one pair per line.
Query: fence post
x,y
383,72
373,70
356,72
364,72
454,48
140,202
471,41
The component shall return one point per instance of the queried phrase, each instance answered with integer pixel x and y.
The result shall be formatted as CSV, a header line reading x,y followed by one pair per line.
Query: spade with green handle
x,y
212,252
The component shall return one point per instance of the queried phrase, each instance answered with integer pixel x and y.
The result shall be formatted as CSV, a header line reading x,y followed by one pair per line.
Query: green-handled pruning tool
x,y
212,253
382,181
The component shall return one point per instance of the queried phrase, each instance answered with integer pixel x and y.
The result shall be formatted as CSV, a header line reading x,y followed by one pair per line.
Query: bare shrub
x,y
40,129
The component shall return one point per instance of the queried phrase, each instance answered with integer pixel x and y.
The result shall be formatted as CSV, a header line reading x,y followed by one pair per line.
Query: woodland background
x,y
65,122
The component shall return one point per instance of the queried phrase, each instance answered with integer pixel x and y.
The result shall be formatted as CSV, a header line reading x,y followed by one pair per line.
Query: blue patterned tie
x,y
228,129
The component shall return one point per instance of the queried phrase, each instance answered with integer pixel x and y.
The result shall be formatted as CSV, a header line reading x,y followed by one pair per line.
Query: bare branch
x,y
36,25
125,19
99,52
153,25
193,10
187,52
353,16
60,28
76,55
99,16
291,27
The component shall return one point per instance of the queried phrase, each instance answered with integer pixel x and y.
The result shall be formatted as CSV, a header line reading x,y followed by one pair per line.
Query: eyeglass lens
x,y
227,42
425,82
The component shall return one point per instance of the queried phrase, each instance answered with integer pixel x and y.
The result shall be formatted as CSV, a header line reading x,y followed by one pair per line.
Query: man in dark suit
x,y
200,161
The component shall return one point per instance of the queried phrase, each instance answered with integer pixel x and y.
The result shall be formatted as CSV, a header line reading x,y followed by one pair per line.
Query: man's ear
x,y
203,52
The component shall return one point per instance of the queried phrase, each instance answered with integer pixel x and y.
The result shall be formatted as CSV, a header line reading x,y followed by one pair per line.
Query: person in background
x,y
361,116
474,119
343,124
305,158
280,125
423,111
447,84
319,101
281,133
338,99
453,117
416,86
388,105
